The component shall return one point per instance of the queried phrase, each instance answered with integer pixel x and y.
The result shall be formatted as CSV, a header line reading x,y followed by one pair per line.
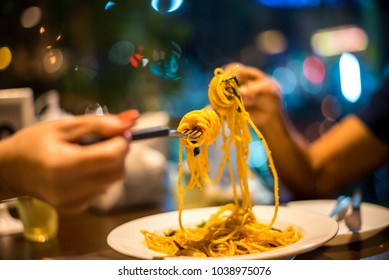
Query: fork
x,y
341,207
147,133
163,131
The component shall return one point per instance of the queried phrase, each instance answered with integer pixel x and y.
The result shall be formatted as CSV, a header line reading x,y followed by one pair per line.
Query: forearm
x,y
342,156
291,157
345,154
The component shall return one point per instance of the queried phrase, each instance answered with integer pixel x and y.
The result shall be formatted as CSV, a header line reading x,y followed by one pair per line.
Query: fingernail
x,y
129,115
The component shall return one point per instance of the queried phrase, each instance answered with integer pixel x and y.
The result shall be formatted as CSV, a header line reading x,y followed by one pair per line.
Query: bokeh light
x,y
30,17
5,58
166,6
53,60
331,108
337,40
257,156
138,60
121,52
314,69
166,64
325,126
286,78
310,87
350,77
167,68
291,3
271,42
109,5
296,65
88,65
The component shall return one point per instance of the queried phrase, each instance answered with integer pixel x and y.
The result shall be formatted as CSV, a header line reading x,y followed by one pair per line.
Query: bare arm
x,y
345,154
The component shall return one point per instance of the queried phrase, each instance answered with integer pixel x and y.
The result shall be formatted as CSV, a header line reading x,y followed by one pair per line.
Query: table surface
x,y
84,237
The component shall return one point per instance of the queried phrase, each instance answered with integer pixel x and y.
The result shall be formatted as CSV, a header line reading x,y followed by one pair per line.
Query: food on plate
x,y
233,229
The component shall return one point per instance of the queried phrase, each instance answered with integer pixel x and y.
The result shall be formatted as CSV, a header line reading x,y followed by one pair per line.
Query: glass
x,y
40,220
8,224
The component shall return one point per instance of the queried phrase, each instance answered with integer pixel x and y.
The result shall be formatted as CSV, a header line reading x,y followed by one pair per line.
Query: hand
x,y
261,94
45,161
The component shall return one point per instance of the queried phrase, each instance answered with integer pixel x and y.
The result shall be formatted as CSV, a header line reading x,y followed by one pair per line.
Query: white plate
x,y
316,228
375,218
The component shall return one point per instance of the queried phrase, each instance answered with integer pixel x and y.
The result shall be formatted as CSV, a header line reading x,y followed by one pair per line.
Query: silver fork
x,y
341,207
147,133
163,131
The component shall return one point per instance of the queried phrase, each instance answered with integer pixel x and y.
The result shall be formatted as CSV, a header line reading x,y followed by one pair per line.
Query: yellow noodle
x,y
233,229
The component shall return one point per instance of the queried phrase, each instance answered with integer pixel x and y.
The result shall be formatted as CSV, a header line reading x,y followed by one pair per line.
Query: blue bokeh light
x,y
257,157
166,6
300,3
290,3
109,5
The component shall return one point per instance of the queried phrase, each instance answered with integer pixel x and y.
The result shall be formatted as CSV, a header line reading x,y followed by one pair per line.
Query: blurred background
x,y
159,55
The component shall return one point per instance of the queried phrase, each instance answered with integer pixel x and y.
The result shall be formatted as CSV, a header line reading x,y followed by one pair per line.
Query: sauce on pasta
x,y
233,229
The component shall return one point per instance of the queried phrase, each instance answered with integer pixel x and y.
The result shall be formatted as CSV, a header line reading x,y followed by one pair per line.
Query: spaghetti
x,y
233,229
208,121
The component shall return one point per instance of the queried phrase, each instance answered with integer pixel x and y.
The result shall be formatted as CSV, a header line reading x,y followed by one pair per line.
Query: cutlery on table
x,y
353,220
341,207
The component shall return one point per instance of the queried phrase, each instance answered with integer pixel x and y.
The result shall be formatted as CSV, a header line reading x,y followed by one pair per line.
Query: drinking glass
x,y
40,220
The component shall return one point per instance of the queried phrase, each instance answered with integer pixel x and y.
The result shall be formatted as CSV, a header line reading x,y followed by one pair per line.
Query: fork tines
x,y
192,133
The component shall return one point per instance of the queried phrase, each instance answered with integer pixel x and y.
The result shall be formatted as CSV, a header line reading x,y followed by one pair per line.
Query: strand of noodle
x,y
236,133
232,177
225,238
273,171
246,116
179,185
208,121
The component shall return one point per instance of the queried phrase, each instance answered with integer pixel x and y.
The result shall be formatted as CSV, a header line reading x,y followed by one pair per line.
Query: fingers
x,y
245,73
81,194
265,85
107,125
106,155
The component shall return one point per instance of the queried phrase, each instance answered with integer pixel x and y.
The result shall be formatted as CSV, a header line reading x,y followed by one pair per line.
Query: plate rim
x,y
348,236
291,250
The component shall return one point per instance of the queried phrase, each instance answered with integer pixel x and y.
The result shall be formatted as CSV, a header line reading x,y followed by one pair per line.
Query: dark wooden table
x,y
84,237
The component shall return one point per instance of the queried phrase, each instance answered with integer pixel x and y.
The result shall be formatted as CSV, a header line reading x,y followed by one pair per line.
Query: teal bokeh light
x,y
166,6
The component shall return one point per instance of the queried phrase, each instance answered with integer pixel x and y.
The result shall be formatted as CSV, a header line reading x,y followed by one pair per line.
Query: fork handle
x,y
137,134
152,132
